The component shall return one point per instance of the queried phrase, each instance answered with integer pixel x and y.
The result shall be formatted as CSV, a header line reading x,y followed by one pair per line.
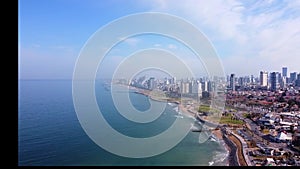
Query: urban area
x,y
260,122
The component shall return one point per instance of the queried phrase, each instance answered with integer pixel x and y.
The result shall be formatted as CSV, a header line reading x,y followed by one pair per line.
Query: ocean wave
x,y
176,109
178,116
219,158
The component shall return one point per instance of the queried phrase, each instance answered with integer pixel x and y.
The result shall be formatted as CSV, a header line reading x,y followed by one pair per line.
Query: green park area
x,y
207,109
216,116
230,120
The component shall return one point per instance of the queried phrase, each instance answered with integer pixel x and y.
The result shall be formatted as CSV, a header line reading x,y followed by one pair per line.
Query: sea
x,y
50,134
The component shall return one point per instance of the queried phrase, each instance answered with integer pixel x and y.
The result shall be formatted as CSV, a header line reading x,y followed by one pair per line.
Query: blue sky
x,y
248,36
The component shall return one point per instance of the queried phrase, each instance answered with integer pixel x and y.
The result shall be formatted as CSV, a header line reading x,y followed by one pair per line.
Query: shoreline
x,y
231,159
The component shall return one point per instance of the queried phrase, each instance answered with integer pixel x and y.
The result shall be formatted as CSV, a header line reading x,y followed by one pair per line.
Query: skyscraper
x,y
293,77
279,79
184,86
232,82
173,80
210,86
191,84
298,80
263,78
151,83
284,71
283,79
275,80
252,79
241,81
205,86
197,88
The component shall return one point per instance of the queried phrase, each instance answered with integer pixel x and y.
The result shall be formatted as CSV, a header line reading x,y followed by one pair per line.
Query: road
x,y
257,135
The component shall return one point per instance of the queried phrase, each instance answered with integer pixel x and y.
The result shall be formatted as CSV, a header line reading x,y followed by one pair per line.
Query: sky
x,y
248,36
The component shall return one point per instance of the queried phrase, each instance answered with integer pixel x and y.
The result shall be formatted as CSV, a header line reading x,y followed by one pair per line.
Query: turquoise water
x,y
50,133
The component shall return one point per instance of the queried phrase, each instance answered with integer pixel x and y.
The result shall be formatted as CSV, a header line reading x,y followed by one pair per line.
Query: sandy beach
x,y
185,110
218,134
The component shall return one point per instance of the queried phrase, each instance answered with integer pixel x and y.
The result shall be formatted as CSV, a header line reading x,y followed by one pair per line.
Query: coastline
x,y
231,159
185,110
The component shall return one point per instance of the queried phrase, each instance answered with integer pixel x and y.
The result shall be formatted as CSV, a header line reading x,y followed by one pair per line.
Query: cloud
x,y
262,34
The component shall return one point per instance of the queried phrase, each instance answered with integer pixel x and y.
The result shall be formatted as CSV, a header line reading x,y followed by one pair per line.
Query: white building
x,y
184,87
263,78
283,137
197,88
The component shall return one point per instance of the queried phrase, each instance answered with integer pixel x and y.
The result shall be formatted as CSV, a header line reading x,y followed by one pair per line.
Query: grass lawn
x,y
206,108
228,120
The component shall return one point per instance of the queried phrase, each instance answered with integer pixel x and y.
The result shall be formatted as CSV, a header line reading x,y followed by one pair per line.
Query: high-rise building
x,y
284,71
252,79
191,84
283,82
275,80
241,81
228,79
232,82
263,78
298,80
173,80
184,87
247,79
197,88
151,83
293,77
205,86
210,86
280,80
166,81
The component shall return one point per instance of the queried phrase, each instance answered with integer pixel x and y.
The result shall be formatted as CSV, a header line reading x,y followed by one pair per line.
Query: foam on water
x,y
219,158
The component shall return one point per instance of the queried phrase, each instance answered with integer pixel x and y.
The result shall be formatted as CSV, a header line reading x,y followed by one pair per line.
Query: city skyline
x,y
247,36
202,86
161,74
